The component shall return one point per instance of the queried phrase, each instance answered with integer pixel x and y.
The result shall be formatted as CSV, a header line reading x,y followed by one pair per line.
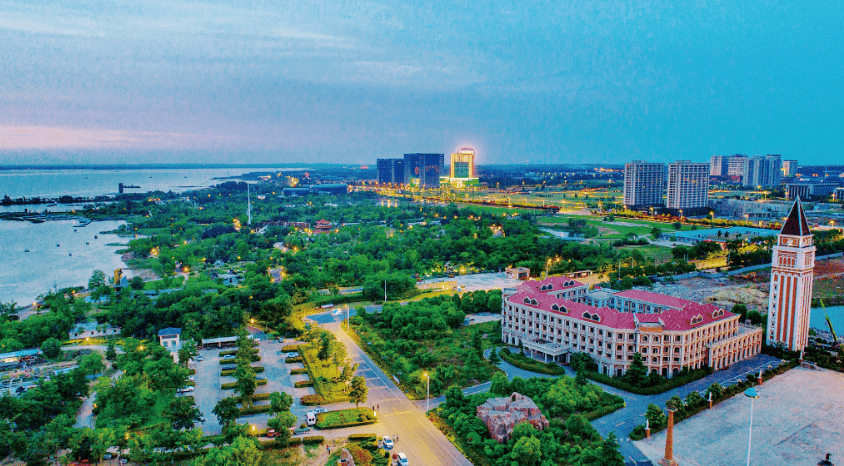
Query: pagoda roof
x,y
796,224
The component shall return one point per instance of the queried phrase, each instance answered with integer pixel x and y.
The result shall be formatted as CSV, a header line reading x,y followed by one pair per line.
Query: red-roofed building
x,y
552,318
323,226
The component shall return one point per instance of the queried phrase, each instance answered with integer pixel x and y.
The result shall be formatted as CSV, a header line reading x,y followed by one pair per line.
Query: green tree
x,y
246,383
111,350
694,399
578,426
92,364
527,451
186,352
282,424
656,232
637,373
359,391
136,283
226,411
494,358
656,417
610,456
716,390
183,413
51,348
280,402
243,451
500,385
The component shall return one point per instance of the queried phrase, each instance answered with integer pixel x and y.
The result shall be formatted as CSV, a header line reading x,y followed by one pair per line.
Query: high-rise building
x,y
423,170
789,167
391,171
463,164
790,297
644,183
719,165
762,171
736,165
688,185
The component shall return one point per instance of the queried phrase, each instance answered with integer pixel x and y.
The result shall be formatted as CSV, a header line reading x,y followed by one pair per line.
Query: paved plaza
x,y
797,420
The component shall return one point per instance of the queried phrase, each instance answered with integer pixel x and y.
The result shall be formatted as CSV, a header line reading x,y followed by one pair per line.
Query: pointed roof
x,y
796,224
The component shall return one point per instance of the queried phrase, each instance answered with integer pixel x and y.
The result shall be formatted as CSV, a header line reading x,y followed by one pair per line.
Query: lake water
x,y
25,275
89,183
836,315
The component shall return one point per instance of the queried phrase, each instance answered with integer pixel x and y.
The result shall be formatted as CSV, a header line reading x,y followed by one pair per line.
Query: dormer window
x,y
596,317
586,315
550,287
555,307
527,301
533,301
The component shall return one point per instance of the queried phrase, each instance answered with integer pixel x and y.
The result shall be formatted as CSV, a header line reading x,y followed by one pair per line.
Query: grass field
x,y
618,229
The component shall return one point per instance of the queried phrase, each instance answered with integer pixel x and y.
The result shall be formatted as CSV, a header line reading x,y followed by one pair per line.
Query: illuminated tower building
x,y
790,298
463,164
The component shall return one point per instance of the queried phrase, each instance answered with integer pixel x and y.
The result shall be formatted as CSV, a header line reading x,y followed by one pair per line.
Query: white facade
x,y
688,185
643,183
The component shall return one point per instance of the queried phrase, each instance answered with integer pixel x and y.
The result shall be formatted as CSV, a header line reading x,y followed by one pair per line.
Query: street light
x,y
750,393
428,394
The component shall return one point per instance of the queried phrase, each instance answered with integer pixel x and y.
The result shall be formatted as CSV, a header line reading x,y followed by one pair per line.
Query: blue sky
x,y
553,82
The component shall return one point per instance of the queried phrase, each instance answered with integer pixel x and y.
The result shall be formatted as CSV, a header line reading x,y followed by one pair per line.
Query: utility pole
x,y
385,291
248,206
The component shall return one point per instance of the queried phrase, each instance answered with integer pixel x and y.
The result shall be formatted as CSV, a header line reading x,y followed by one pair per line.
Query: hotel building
x,y
553,319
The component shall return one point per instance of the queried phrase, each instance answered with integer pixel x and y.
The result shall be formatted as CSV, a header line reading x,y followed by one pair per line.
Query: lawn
x,y
346,418
449,355
611,230
323,374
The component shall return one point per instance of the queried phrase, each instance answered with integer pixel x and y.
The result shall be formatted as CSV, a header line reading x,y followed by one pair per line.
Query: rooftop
x,y
795,224
169,331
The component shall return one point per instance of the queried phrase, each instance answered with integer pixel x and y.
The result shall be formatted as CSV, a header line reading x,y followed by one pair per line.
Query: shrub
x,y
304,383
290,348
257,369
363,437
313,439
296,359
312,400
232,385
523,362
224,362
297,371
255,410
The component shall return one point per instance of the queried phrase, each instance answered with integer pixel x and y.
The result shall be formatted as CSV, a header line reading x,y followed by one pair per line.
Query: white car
x,y
186,389
403,460
192,378
319,409
387,443
292,355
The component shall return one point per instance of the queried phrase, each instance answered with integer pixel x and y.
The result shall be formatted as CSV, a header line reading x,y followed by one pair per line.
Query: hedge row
x,y
523,362
304,383
290,348
298,370
366,437
296,359
669,384
255,410
232,385
603,411
255,397
313,400
224,362
345,418
257,369
638,432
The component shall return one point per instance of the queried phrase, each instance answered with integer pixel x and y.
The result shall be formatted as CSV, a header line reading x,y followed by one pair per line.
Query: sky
x,y
580,81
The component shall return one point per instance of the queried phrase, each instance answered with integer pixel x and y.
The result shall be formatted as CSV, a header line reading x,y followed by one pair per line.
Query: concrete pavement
x,y
398,416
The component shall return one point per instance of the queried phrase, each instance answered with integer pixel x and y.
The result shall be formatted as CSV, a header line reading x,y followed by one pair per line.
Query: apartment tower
x,y
688,185
643,183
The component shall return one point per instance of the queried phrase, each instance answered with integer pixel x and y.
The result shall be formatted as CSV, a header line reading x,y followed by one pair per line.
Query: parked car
x,y
403,460
259,378
186,389
292,355
108,456
123,460
387,443
310,418
229,368
319,409
271,433
198,357
192,378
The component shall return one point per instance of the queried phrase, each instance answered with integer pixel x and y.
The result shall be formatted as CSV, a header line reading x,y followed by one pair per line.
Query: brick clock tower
x,y
790,299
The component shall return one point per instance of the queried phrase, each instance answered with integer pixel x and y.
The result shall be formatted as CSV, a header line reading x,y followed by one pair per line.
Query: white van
x,y
310,418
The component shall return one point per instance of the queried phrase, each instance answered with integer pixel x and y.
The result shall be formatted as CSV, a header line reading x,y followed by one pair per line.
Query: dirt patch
x,y
751,296
829,267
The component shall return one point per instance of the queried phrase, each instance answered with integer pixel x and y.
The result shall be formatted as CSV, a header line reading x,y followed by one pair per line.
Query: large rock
x,y
502,415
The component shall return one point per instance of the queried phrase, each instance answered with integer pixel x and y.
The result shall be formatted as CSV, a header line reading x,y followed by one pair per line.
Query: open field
x,y
787,428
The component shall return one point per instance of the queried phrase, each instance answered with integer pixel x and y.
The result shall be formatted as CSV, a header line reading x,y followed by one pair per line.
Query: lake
x,y
836,315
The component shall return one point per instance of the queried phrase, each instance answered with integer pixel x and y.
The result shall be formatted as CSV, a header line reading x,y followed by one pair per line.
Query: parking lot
x,y
277,373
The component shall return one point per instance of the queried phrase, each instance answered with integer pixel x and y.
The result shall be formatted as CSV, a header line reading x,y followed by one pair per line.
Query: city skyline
x,y
351,83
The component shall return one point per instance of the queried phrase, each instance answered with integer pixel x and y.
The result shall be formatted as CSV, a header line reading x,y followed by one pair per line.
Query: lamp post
x,y
750,393
347,318
428,393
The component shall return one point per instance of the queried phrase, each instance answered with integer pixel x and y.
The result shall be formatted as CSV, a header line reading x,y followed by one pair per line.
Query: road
x,y
397,415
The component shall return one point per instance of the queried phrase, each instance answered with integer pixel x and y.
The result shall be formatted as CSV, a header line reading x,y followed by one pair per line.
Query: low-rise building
x,y
93,330
170,338
670,333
